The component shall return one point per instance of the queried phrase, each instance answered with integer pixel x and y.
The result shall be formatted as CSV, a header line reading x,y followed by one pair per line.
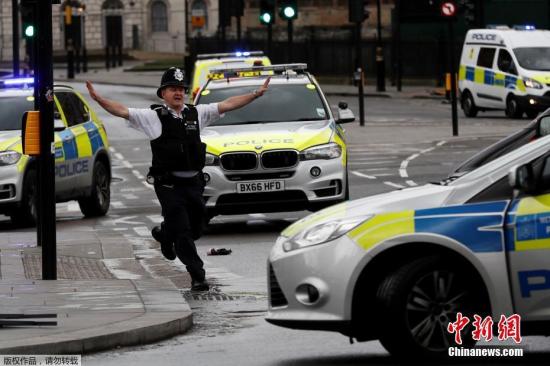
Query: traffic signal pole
x,y
46,231
15,36
290,29
360,73
380,65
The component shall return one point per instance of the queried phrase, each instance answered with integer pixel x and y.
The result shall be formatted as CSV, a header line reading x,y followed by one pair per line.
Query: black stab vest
x,y
179,146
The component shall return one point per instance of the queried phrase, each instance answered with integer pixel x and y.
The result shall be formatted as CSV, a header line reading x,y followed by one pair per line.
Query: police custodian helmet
x,y
171,77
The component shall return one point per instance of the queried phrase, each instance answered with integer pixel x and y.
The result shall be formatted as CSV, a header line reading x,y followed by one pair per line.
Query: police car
x,y
285,151
82,161
209,61
535,129
505,69
399,266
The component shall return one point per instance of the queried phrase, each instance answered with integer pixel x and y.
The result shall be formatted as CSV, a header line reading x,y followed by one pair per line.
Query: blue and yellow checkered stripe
x,y
80,141
473,225
488,77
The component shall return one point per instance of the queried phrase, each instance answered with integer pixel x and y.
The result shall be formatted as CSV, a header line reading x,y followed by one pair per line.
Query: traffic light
x,y
27,19
470,11
288,9
267,11
358,11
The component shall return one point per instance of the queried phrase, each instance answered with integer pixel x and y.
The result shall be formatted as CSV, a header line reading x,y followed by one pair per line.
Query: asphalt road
x,y
229,329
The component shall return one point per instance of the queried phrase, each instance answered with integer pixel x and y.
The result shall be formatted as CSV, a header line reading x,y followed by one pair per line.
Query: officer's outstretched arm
x,y
115,108
239,101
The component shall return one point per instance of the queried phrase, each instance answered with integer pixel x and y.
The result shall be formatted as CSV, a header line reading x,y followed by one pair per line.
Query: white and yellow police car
x,y
505,69
283,152
209,61
82,161
399,266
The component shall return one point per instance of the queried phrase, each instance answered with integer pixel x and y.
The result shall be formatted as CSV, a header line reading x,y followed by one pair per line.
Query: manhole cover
x,y
216,296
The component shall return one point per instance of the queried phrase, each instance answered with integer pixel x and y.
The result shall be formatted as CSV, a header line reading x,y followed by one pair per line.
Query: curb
x,y
130,337
158,321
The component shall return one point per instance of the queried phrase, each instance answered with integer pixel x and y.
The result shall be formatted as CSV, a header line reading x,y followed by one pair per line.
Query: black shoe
x,y
199,286
166,247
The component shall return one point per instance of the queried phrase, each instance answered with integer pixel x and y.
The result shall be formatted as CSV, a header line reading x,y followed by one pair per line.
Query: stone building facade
x,y
150,25
160,25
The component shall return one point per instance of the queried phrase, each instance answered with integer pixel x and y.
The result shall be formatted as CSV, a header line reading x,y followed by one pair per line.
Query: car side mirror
x,y
523,178
544,126
58,124
345,115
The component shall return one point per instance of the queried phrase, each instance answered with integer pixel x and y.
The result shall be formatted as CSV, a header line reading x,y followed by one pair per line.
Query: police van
x,y
81,148
506,69
400,266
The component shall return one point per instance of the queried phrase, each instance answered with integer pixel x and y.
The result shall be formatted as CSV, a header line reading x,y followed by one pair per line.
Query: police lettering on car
x,y
178,159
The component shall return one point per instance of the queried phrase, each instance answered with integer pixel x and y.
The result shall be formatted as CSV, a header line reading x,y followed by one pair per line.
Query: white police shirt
x,y
147,121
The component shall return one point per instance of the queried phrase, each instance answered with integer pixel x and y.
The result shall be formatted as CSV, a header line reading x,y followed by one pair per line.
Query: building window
x,y
159,16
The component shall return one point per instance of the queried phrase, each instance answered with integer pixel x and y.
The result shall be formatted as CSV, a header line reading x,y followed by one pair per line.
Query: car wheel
x,y
513,110
27,213
531,114
468,105
97,204
420,299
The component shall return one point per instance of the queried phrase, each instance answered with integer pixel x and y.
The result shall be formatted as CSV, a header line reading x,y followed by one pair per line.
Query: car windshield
x,y
533,58
281,103
498,149
517,156
12,110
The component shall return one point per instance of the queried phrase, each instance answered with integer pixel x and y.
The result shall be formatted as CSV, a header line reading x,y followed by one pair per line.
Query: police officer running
x,y
178,158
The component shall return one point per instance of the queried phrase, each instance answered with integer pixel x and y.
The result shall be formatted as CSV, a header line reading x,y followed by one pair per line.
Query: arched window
x,y
159,16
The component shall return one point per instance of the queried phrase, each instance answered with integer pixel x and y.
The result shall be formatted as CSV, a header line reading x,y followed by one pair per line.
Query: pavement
x,y
107,296
103,298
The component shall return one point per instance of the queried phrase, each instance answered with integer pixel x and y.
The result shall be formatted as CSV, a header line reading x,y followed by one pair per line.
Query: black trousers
x,y
183,210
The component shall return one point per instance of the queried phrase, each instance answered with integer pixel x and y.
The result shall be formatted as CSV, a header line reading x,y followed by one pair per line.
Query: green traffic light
x,y
265,18
29,30
289,12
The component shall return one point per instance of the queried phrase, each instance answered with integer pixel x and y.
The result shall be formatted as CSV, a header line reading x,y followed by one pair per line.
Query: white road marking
x,y
130,196
118,204
138,175
126,220
403,169
142,231
73,206
362,175
404,164
157,219
119,156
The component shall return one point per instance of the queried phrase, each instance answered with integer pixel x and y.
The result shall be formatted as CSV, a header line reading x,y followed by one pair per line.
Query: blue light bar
x,y
19,81
525,27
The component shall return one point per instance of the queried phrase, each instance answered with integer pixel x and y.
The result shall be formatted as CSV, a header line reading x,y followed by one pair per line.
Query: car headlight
x,y
530,83
9,157
211,159
323,233
328,151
